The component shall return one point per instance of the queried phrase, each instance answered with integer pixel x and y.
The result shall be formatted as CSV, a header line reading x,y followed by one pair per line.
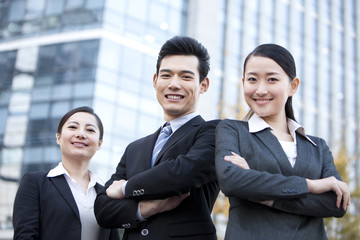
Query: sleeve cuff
x,y
123,188
138,214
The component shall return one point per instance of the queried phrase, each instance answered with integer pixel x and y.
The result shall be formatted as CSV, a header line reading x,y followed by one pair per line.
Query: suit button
x,y
126,225
144,232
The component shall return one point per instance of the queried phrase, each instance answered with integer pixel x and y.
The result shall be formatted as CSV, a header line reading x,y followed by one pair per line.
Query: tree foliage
x,y
347,227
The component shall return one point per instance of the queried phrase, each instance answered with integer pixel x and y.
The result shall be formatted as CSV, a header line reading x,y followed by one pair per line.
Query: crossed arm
x,y
319,197
147,208
164,186
315,186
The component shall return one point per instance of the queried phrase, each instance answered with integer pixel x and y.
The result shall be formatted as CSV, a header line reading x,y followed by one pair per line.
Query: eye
x,y
187,77
72,127
251,79
165,75
272,79
91,130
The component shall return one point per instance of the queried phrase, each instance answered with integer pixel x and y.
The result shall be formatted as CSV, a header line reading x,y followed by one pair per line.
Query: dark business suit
x,y
45,208
186,163
296,214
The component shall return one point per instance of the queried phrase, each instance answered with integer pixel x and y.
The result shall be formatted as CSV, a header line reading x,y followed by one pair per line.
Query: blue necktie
x,y
160,142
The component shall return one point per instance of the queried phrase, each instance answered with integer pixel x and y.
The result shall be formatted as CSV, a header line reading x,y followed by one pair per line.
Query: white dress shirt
x,y
84,201
257,124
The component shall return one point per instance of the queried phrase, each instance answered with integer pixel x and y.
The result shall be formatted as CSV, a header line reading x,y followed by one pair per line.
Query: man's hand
x,y
149,208
115,189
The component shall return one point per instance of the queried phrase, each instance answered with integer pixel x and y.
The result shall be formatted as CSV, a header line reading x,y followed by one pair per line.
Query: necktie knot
x,y
166,130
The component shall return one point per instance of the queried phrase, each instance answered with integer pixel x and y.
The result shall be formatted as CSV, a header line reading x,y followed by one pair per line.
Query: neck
x,y
280,128
78,170
278,123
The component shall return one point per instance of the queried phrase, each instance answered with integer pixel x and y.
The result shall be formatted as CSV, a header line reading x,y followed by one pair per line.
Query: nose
x,y
174,82
80,133
261,89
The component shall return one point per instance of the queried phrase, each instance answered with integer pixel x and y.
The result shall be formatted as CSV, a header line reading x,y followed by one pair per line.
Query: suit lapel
x,y
273,145
98,188
180,133
63,188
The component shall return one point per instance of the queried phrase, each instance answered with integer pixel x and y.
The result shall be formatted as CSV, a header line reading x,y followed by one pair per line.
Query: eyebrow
x,y
88,124
267,74
182,71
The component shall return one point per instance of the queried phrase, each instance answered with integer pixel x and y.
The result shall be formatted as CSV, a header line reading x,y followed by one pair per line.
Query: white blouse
x,y
84,202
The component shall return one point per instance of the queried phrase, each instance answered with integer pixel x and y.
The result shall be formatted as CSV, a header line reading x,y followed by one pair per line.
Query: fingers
x,y
185,195
234,154
237,160
346,194
339,197
343,193
115,189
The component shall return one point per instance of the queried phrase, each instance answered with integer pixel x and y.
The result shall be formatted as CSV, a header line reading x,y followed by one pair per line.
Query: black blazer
x,y
45,208
186,163
296,214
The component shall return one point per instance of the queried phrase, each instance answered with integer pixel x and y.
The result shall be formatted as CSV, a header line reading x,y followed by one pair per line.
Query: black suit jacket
x,y
186,163
45,208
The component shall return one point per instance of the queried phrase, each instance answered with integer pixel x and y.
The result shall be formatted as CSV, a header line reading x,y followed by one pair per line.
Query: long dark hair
x,y
286,61
183,45
81,109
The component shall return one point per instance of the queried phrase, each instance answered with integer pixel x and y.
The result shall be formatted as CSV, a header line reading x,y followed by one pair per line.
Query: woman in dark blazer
x,y
280,182
58,204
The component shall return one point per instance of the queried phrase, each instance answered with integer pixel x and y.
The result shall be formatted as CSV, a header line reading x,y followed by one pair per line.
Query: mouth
x,y
174,96
79,144
262,100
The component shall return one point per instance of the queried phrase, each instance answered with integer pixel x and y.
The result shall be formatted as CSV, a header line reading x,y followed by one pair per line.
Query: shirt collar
x,y
178,122
60,170
257,124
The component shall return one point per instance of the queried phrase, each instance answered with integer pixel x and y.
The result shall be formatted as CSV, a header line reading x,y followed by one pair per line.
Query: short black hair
x,y
81,109
183,45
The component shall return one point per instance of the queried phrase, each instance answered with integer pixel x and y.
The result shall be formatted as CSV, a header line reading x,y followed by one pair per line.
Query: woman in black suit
x,y
280,182
58,204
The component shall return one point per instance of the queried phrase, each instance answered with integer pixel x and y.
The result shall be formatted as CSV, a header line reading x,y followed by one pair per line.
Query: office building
x,y
60,54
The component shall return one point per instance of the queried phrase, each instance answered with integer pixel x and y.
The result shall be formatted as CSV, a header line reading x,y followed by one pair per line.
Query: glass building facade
x,y
59,54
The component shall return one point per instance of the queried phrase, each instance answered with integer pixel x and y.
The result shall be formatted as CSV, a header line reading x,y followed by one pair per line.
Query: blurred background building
x,y
59,54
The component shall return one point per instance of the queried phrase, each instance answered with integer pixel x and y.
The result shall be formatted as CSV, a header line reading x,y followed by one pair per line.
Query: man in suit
x,y
169,192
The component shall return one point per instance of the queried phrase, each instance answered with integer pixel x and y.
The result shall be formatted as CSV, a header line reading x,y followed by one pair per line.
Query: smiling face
x,y
177,85
80,137
267,87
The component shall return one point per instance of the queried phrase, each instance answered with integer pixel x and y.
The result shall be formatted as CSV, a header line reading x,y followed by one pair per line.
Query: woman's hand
x,y
237,160
341,189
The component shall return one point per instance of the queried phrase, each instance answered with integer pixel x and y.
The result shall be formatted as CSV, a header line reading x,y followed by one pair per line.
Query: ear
x,y
58,138
243,80
204,85
99,146
154,80
294,86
